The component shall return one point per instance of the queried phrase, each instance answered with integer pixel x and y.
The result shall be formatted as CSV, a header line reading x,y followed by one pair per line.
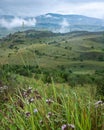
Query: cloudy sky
x,y
93,8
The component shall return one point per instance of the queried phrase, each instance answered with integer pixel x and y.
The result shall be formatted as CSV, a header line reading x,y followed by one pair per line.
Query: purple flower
x,y
28,114
67,127
24,94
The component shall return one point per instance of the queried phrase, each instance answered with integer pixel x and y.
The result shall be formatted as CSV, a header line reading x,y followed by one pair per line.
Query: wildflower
x,y
49,101
41,122
27,114
35,111
19,103
67,127
98,103
24,94
31,100
29,90
49,114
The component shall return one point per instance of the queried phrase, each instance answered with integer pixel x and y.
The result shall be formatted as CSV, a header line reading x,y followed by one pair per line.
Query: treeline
x,y
59,76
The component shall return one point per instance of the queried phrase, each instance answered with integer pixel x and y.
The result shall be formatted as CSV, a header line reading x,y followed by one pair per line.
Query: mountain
x,y
65,23
53,22
70,19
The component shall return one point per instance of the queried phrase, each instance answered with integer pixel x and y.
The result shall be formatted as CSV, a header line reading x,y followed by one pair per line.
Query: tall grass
x,y
50,106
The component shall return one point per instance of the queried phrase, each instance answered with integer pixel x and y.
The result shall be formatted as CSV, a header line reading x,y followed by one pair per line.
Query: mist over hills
x,y
66,23
53,22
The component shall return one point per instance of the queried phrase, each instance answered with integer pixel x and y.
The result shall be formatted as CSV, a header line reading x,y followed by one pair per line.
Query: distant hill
x,y
71,19
78,51
53,22
65,23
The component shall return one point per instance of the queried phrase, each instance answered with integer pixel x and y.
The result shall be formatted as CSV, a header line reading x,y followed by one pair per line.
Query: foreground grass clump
x,y
52,107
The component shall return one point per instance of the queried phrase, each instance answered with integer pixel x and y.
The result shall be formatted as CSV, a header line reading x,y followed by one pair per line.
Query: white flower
x,y
49,101
35,110
98,103
31,100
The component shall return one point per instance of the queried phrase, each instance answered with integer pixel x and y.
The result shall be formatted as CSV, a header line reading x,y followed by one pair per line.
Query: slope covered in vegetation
x,y
52,81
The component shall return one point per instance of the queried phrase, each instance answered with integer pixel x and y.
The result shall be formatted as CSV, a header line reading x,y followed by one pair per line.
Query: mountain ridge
x,y
52,22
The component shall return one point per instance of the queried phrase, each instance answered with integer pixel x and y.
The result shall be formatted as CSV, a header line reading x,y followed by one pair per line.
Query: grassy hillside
x,y
46,46
52,81
78,52
75,58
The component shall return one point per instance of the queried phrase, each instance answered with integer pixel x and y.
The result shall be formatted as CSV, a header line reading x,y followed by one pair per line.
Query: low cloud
x,y
48,16
65,26
17,22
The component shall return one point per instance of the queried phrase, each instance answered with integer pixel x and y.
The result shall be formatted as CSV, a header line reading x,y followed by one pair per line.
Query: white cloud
x,y
93,8
17,22
65,26
64,23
